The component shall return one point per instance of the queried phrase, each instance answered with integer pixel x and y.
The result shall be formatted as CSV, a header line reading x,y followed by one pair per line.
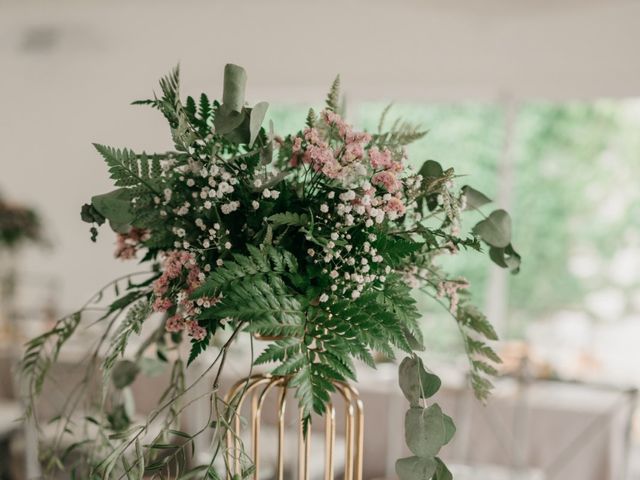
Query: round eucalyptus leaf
x,y
475,198
495,230
506,258
427,430
415,382
124,373
497,256
416,468
255,120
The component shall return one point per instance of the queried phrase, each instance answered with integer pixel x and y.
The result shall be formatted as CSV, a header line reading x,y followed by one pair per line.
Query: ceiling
x,y
403,50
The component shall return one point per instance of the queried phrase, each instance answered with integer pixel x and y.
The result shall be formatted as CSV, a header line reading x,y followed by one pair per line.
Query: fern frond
x,y
289,218
131,325
254,300
333,97
473,323
258,263
44,350
400,134
311,118
128,169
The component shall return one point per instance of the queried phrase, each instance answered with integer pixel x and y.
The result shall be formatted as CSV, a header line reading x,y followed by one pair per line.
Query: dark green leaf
x,y
431,169
416,468
115,206
442,472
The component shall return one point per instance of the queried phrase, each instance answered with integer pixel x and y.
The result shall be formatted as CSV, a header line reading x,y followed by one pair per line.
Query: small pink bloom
x,y
353,151
312,136
174,324
380,159
162,304
196,331
395,205
161,285
332,169
297,145
387,179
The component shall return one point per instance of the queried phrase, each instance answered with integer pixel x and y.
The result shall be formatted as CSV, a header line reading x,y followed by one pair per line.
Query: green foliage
x,y
415,381
43,351
428,429
400,134
124,373
128,169
476,330
332,102
317,252
289,218
131,325
253,266
475,198
495,229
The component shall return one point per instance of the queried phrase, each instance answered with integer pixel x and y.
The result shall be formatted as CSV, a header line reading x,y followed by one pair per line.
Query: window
x,y
569,173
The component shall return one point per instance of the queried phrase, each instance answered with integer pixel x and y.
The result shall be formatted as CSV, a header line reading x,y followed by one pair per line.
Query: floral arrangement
x,y
313,241
17,225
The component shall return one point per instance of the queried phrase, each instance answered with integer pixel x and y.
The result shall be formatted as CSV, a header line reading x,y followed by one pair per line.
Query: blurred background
x,y
539,102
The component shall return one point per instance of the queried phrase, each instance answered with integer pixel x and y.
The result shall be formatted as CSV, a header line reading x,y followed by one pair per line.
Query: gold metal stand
x,y
257,389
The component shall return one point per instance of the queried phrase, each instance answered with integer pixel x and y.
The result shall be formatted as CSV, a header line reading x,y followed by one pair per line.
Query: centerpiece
x,y
312,242
18,226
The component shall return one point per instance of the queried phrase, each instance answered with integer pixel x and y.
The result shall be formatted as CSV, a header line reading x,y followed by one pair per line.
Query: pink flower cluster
x,y
321,156
450,289
179,267
127,244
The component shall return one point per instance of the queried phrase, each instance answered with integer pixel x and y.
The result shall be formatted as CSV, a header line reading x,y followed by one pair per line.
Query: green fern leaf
x,y
333,97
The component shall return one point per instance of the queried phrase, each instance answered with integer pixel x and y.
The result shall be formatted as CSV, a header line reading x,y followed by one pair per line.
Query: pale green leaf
x,y
495,230
427,430
235,81
255,120
475,198
415,382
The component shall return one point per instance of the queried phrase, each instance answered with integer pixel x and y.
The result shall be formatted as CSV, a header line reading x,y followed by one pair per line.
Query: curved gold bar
x,y
256,415
282,404
233,442
330,441
358,456
349,416
304,448
354,423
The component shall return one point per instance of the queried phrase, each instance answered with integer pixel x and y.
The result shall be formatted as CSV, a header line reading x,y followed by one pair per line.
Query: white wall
x,y
69,68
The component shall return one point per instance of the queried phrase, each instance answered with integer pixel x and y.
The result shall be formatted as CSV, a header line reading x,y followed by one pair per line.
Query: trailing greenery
x,y
314,240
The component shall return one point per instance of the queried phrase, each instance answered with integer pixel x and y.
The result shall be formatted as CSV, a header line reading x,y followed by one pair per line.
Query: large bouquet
x,y
313,241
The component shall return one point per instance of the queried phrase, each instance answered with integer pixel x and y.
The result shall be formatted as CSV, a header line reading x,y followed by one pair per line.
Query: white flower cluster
x,y
351,267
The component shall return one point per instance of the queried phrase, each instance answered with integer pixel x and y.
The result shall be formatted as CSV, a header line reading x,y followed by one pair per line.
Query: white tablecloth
x,y
557,430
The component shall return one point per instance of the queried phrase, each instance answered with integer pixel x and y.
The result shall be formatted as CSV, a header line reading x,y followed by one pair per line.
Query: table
x,y
10,413
560,430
